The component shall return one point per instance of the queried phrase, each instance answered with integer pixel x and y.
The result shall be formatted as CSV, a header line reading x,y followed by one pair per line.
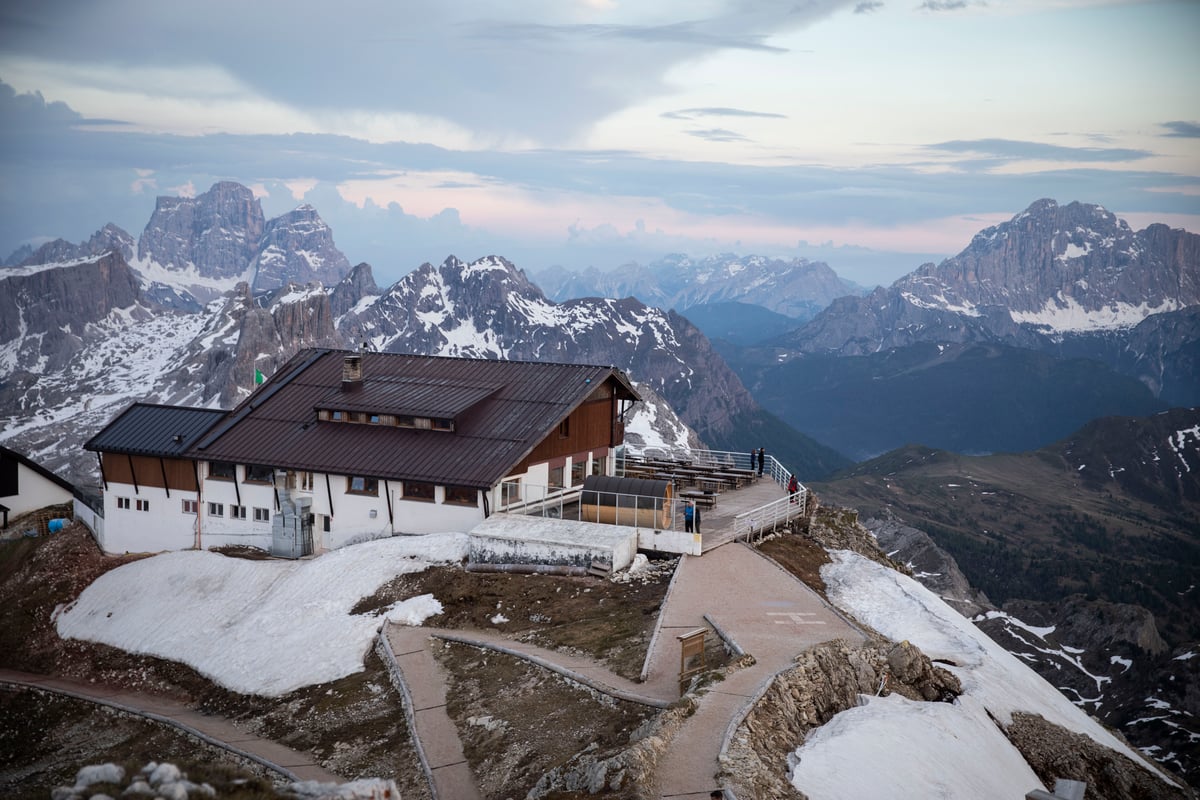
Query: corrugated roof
x,y
144,429
503,409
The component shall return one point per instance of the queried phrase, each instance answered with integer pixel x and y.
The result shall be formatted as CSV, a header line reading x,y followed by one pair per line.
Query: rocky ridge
x,y
1069,280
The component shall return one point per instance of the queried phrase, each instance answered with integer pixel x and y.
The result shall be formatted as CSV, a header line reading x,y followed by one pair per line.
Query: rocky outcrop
x,y
930,564
628,770
1055,752
217,233
839,529
827,679
298,247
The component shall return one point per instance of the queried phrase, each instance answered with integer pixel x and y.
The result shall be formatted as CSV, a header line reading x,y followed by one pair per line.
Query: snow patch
x,y
256,627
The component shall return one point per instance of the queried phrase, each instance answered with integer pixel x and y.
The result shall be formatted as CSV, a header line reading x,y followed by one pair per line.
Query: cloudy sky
x,y
874,134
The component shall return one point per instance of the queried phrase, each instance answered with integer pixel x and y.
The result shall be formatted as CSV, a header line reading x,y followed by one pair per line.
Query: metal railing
x,y
771,516
714,459
633,510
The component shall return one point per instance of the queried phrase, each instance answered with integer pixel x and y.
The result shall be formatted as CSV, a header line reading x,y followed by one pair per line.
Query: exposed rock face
x,y
1054,752
217,233
356,286
52,308
298,248
1054,257
251,335
930,564
827,679
796,288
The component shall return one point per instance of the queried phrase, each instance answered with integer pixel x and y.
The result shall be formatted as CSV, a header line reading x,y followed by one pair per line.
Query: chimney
x,y
352,377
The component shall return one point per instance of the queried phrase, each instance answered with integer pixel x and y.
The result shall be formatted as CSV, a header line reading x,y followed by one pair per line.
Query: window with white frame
x,y
216,509
143,505
123,503
262,514
237,512
189,506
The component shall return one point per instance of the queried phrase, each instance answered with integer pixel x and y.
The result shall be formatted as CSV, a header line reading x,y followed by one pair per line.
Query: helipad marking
x,y
794,617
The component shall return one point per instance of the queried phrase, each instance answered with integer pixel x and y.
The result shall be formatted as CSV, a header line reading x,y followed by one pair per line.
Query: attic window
x,y
259,474
337,416
443,424
564,427
222,470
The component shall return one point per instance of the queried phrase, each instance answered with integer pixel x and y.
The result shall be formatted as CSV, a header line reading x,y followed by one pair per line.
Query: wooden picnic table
x,y
700,497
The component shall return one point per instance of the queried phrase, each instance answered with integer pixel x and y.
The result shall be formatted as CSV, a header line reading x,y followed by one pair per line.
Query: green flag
x,y
258,377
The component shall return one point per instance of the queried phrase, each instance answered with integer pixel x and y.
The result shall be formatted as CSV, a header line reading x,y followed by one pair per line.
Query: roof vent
x,y
352,376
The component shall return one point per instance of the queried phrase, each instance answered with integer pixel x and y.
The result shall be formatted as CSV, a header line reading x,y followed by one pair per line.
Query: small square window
x,y
359,484
262,515
123,503
374,419
216,509
189,506
237,512
143,505
556,477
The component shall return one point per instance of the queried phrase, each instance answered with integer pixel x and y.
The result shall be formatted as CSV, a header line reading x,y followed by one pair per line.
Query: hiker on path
x,y
793,488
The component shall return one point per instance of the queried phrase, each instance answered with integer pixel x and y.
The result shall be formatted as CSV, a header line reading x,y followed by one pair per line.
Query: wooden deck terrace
x,y
719,506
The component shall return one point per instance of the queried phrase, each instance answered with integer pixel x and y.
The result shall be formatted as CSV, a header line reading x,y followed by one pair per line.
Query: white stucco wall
x,y
224,530
34,491
162,527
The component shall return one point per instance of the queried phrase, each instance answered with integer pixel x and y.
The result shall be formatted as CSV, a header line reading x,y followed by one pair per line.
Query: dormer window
x,y
337,416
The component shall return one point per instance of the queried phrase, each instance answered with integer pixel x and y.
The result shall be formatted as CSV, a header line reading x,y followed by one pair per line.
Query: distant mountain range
x,y
1058,316
212,292
797,288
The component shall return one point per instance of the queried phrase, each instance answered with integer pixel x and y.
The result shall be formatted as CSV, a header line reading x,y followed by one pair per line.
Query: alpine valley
x,y
1023,413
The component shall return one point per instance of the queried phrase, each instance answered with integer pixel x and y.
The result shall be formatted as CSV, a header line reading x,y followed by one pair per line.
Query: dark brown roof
x,y
503,409
144,429
422,396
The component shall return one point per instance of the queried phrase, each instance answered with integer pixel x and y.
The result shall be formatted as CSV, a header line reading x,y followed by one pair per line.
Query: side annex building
x,y
339,447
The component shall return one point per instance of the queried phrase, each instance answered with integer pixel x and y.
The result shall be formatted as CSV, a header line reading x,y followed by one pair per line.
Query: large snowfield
x,y
892,747
257,627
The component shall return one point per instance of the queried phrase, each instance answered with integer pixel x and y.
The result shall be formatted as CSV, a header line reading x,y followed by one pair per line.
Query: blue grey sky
x,y
873,135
